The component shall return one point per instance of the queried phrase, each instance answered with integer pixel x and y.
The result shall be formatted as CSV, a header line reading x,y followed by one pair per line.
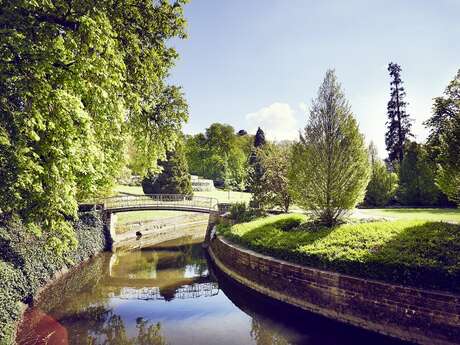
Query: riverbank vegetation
x,y
409,252
26,264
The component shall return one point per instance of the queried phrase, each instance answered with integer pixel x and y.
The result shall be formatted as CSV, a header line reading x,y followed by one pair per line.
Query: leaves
x,y
329,168
75,82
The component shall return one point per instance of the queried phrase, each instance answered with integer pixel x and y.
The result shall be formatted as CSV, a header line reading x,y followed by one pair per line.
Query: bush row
x,y
26,265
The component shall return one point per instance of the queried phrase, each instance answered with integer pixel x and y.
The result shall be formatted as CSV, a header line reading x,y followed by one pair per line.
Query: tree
x,y
448,175
443,142
417,178
274,182
383,183
398,124
219,154
445,110
174,177
256,170
329,168
75,79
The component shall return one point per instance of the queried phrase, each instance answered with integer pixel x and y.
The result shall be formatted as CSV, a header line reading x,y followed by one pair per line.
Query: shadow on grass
x,y
424,255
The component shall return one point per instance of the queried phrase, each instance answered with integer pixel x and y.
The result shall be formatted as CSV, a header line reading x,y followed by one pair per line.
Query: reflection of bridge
x,y
172,202
183,292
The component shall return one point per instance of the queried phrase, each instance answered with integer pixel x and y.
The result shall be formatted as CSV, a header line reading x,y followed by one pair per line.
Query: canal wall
x,y
419,316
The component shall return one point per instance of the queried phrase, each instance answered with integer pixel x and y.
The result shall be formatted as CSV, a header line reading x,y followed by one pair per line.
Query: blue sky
x,y
256,63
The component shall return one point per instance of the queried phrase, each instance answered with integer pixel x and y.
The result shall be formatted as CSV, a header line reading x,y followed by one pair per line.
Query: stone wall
x,y
191,225
420,316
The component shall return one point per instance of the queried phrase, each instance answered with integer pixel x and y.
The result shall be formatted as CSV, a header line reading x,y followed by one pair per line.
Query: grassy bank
x,y
26,265
409,252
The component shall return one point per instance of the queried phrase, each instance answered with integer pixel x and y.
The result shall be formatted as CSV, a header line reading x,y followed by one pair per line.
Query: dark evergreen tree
x,y
259,139
256,170
174,178
398,123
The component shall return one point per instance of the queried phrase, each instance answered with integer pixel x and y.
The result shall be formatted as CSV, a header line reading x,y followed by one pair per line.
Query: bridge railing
x,y
159,200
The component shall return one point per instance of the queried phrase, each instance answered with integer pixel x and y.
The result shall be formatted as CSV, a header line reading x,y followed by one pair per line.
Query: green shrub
x,y
240,212
26,264
417,253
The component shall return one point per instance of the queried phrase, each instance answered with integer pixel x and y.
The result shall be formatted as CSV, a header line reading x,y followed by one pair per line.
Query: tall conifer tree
x,y
398,123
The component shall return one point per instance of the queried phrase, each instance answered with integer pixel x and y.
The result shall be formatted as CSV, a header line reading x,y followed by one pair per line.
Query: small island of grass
x,y
409,252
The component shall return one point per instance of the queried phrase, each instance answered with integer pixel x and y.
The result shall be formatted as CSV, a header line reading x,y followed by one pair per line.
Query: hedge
x,y
416,253
25,264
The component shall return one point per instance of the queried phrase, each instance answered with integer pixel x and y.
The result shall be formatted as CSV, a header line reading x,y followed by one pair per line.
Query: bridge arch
x,y
170,202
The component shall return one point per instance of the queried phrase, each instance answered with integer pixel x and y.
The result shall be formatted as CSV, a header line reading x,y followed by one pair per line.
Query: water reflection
x,y
169,295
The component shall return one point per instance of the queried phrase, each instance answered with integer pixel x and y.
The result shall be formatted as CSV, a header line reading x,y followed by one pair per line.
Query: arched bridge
x,y
170,202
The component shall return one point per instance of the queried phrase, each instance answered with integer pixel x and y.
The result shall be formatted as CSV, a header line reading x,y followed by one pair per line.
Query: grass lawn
x,y
411,252
133,216
221,195
431,214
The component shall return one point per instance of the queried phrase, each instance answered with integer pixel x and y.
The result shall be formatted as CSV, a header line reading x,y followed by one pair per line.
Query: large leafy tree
x,y
448,175
219,154
383,183
256,170
446,109
398,123
329,168
76,77
174,177
274,182
443,142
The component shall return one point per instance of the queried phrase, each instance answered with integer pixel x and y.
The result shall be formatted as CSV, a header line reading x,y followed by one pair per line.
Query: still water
x,y
169,294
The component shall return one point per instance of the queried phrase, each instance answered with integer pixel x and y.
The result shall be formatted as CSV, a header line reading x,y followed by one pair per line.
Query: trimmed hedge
x,y
25,264
415,253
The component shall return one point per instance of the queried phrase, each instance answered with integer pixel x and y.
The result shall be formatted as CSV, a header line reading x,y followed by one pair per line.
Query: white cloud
x,y
304,107
277,121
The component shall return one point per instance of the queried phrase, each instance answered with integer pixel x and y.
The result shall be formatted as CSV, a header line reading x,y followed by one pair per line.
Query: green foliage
x,y
417,178
240,212
383,183
219,154
174,178
75,79
448,176
418,253
399,124
274,187
256,170
443,142
329,168
446,109
26,264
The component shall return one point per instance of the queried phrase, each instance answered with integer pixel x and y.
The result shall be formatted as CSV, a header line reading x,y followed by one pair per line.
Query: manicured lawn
x,y
133,216
413,252
431,214
221,195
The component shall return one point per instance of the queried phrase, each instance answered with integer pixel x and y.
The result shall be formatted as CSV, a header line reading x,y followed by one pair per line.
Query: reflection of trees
x,y
106,328
264,335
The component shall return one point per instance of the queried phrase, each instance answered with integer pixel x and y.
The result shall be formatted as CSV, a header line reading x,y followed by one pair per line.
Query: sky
x,y
253,63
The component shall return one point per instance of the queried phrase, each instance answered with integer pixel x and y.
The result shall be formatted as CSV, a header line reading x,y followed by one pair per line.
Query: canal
x,y
170,294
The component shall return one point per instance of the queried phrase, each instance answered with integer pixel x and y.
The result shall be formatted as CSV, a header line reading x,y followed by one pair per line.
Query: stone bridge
x,y
152,202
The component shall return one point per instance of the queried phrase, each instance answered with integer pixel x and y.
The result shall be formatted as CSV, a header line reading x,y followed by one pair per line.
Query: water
x,y
171,295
